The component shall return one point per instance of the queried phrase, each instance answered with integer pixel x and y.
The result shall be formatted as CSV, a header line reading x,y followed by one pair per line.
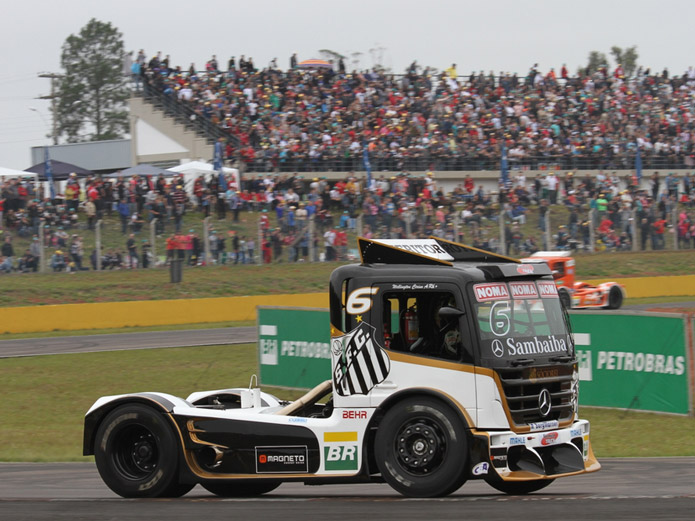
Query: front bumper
x,y
539,455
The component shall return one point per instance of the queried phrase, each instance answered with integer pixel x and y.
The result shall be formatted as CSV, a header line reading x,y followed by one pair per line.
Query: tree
x,y
92,91
627,58
596,61
329,55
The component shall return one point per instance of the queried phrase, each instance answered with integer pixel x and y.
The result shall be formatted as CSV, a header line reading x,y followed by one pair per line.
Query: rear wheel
x,y
565,298
517,488
421,448
615,298
240,488
137,455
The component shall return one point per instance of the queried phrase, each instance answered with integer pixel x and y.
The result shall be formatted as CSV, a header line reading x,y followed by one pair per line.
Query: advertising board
x,y
293,346
627,360
632,361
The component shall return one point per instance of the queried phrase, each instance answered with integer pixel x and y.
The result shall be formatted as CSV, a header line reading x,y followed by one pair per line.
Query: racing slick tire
x,y
615,298
240,488
137,454
421,448
565,298
516,488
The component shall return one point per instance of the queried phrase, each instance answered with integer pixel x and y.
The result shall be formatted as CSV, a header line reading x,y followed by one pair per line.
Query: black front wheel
x,y
615,298
421,448
136,453
240,488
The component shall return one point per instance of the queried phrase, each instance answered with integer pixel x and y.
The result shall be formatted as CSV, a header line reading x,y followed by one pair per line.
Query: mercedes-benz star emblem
x,y
544,404
497,348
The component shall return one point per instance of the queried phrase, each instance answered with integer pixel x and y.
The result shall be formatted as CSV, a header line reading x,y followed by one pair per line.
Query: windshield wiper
x,y
522,361
562,358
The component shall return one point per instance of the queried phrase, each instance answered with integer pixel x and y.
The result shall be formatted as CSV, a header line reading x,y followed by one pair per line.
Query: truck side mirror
x,y
449,314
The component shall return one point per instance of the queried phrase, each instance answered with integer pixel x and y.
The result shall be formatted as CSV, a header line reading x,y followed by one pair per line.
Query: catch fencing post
x,y
42,247
97,242
153,241
259,247
503,239
312,246
206,240
633,229
456,225
592,235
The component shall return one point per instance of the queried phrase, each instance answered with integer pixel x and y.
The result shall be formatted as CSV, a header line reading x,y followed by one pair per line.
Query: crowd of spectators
x,y
315,120
614,209
323,119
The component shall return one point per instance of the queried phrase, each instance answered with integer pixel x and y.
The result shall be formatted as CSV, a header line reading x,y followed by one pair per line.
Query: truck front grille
x,y
522,388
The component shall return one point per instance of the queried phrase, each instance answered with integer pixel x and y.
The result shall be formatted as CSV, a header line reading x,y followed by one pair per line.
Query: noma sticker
x,y
522,290
492,291
547,289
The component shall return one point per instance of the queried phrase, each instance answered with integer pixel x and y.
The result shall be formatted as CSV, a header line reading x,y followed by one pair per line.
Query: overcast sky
x,y
500,35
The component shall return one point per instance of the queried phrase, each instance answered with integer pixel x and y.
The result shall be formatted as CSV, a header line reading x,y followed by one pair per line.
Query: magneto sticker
x,y
521,290
492,291
547,289
281,459
359,363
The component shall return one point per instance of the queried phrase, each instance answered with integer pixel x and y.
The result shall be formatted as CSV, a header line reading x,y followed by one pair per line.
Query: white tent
x,y
194,169
9,172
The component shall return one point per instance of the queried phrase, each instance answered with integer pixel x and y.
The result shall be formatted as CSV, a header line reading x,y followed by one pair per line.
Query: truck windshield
x,y
520,320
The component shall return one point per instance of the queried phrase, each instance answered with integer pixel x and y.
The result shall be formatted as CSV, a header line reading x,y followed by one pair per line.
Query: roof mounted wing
x,y
432,251
462,252
405,251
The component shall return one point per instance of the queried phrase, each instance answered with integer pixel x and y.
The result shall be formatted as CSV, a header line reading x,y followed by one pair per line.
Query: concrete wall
x,y
195,146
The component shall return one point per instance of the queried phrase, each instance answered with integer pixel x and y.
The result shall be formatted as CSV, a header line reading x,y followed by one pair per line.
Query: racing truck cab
x,y
448,363
575,294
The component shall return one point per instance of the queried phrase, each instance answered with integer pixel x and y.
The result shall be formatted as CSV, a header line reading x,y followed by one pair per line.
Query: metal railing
x,y
185,115
394,163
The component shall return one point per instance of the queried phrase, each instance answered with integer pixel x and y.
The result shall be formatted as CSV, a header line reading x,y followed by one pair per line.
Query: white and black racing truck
x,y
448,363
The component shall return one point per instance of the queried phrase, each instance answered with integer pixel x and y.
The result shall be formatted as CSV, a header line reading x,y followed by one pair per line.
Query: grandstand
x,y
318,120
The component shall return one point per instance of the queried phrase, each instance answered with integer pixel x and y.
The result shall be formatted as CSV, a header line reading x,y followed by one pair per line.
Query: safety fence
x,y
141,241
627,360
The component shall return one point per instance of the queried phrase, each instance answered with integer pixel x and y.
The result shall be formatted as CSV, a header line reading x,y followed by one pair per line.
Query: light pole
x,y
34,109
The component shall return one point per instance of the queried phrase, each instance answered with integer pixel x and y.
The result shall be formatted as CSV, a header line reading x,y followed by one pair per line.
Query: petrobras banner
x,y
633,361
626,360
293,346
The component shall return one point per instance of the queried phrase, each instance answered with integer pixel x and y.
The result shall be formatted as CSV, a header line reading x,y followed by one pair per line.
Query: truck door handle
x,y
387,385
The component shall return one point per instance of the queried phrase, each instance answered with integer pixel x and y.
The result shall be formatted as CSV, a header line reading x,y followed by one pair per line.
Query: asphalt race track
x,y
654,488
125,341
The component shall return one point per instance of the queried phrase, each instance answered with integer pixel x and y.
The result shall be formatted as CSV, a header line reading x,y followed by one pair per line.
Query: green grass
x,y
45,399
115,286
227,281
617,433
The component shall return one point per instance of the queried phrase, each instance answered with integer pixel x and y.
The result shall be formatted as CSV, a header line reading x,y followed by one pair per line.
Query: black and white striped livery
x,y
359,363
